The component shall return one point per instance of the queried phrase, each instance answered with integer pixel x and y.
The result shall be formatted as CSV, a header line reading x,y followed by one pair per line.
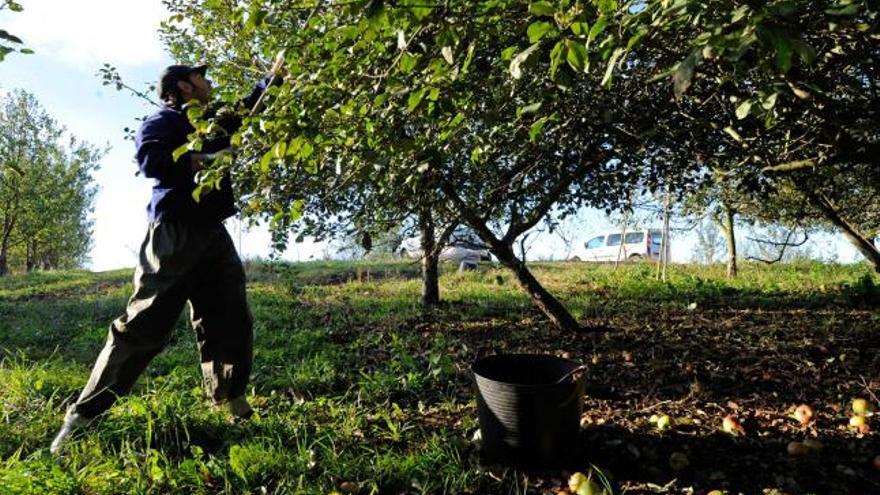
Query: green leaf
x,y
804,51
580,28
598,28
266,161
515,64
415,98
606,6
537,30
684,74
300,148
577,56
844,10
468,58
634,39
419,8
180,151
743,110
784,50
408,62
609,69
27,51
296,209
542,9
556,58
536,128
9,37
534,107
770,101
739,14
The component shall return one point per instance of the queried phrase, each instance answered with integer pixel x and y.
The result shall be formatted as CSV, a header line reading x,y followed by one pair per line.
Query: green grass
x,y
357,388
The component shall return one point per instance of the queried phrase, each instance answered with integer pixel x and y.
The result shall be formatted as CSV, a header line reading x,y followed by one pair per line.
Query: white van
x,y
637,245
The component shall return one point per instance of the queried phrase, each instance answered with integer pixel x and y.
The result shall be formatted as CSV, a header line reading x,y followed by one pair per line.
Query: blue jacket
x,y
158,137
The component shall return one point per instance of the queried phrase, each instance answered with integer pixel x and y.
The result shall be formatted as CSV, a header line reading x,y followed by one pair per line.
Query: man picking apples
x,y
186,257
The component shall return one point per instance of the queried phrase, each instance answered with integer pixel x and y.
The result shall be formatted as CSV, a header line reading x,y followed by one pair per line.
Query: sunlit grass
x,y
354,383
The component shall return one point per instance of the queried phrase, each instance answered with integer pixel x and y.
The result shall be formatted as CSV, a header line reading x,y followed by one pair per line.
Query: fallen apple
x,y
732,425
804,414
860,423
576,480
653,419
678,461
715,492
862,407
797,449
580,484
664,422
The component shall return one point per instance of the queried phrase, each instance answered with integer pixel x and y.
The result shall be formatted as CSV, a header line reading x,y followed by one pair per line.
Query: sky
x,y
73,39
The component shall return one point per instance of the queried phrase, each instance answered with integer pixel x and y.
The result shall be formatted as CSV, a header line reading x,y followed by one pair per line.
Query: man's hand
x,y
278,65
198,161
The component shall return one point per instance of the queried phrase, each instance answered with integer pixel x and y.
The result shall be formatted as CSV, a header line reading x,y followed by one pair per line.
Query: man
x,y
187,256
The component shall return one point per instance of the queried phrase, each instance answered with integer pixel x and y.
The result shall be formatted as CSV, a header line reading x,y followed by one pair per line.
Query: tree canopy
x,y
46,189
503,113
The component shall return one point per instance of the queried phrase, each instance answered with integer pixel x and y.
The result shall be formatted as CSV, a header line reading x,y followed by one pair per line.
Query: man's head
x,y
179,84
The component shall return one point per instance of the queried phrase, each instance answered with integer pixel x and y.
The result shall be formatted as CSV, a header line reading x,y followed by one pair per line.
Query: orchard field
x,y
358,390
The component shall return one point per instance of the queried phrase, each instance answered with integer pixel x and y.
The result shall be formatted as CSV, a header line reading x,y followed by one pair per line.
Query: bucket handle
x,y
571,373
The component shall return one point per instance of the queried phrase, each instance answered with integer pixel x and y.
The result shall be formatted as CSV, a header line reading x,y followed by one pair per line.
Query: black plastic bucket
x,y
529,408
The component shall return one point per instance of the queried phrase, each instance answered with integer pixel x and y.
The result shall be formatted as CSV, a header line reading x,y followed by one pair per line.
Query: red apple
x,y
732,425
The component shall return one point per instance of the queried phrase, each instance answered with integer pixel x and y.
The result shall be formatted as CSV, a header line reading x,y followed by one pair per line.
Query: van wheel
x,y
635,258
574,258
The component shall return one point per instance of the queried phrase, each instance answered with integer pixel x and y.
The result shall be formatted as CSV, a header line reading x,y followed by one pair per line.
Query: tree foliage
x,y
46,189
9,42
504,113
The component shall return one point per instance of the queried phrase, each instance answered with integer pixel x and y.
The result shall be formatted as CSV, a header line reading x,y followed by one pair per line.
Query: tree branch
x,y
539,211
785,245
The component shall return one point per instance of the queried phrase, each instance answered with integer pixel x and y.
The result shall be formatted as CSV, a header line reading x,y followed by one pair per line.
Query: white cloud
x,y
88,33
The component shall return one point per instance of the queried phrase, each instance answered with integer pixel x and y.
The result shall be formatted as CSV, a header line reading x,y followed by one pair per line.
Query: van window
x,y
657,237
614,240
635,237
595,242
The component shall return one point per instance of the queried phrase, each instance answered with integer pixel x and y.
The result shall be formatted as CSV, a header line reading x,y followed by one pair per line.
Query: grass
x,y
359,390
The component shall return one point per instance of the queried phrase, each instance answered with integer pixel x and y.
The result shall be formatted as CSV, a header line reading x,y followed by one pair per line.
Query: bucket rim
x,y
575,364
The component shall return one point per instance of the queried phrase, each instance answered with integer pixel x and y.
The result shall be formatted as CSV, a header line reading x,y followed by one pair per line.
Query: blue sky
x,y
72,40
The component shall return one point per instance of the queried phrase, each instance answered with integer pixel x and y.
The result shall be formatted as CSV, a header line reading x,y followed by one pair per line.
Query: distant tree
x,y
710,244
46,189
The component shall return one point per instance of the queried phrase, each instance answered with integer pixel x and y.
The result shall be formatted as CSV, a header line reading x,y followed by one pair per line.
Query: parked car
x,y
637,245
462,247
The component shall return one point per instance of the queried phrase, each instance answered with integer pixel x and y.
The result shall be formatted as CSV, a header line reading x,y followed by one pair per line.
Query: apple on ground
x,y
664,422
732,425
859,423
804,414
862,407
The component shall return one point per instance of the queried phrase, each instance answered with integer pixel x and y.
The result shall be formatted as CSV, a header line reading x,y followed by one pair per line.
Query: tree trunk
x,y
430,260
727,226
864,245
549,305
4,262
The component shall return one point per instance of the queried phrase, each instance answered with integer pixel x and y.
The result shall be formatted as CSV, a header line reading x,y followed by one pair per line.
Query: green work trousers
x,y
179,263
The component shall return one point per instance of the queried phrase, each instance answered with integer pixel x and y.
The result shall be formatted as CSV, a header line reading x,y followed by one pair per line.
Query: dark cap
x,y
175,73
